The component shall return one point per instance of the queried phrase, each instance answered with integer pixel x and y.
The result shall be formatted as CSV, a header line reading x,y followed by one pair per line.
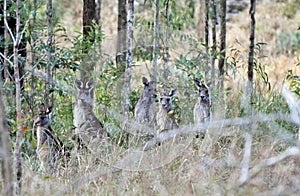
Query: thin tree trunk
x,y
47,99
222,44
88,17
98,11
128,59
155,42
98,18
33,59
18,102
7,176
207,38
166,57
251,50
122,34
214,46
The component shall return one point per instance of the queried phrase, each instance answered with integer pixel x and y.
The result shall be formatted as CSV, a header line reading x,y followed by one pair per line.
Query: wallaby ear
x,y
49,110
145,81
78,84
42,107
173,92
161,91
207,85
90,85
198,82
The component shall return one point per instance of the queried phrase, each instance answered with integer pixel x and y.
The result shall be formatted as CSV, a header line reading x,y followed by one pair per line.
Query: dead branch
x,y
293,152
247,157
201,127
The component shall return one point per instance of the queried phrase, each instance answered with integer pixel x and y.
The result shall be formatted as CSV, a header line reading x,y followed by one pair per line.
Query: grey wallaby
x,y
202,108
87,126
49,147
165,117
144,111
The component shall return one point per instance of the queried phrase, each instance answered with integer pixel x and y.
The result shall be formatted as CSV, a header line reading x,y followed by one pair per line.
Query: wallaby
x,y
49,147
165,117
144,111
202,108
87,126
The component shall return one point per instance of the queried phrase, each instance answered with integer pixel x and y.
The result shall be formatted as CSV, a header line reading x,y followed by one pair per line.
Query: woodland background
x,y
256,150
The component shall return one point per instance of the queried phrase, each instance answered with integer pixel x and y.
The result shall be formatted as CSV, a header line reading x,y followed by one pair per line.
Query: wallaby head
x,y
166,98
203,91
43,119
149,88
84,90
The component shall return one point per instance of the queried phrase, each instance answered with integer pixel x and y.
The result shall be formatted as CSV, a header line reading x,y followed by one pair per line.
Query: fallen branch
x,y
291,152
201,127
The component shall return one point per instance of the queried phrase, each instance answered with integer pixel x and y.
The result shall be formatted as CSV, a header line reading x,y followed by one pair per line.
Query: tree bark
x,y
5,152
128,59
18,102
155,42
87,66
122,35
214,46
251,49
50,51
207,38
98,11
222,45
166,57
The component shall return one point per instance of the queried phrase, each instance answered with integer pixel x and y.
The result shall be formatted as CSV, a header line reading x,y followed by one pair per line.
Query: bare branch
x,y
6,24
201,127
247,157
293,152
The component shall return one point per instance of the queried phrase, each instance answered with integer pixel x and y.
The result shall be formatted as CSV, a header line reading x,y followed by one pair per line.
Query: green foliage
x,y
288,42
294,82
193,63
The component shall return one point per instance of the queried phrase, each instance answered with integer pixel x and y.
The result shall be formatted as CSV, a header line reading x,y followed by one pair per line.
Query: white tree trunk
x,y
18,101
129,59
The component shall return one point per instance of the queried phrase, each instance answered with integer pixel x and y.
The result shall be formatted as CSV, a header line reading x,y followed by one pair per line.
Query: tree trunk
x,y
214,46
7,176
251,50
155,42
98,19
222,44
33,59
122,35
18,102
98,11
128,59
207,38
87,65
166,57
50,51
